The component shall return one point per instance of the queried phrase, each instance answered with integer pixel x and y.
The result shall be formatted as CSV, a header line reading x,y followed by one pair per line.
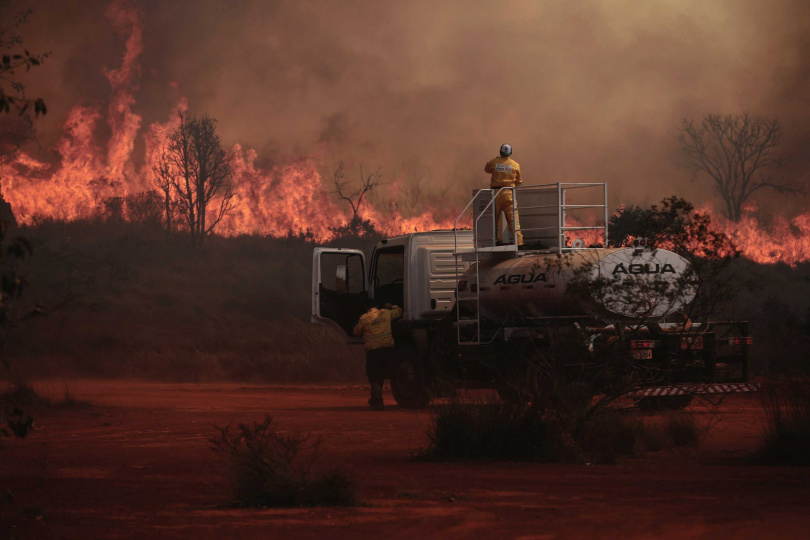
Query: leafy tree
x,y
15,58
737,152
13,420
709,279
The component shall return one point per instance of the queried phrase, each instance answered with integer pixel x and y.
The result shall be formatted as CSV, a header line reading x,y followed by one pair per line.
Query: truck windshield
x,y
389,274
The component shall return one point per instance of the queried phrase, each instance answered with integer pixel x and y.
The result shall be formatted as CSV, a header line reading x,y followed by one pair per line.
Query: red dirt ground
x,y
138,465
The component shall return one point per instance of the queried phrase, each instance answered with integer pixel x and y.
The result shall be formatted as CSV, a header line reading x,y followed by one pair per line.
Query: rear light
x,y
642,344
741,340
692,342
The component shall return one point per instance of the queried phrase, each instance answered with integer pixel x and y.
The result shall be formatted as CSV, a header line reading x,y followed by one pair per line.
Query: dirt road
x,y
137,464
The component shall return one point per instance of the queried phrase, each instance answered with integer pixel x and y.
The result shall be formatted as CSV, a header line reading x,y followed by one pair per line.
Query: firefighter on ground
x,y
375,327
505,172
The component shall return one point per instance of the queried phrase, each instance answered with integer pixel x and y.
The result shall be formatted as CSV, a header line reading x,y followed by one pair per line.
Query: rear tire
x,y
408,385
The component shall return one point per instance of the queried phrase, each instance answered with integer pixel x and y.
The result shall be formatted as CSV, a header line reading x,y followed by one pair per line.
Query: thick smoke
x,y
589,90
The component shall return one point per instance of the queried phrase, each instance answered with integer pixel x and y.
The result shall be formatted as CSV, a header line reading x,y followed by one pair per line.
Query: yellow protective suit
x,y
375,327
505,172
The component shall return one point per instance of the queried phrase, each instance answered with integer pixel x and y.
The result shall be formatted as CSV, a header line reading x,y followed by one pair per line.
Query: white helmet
x,y
506,150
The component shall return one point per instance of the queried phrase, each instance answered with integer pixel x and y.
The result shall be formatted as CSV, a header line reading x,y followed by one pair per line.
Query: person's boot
x,y
376,399
376,404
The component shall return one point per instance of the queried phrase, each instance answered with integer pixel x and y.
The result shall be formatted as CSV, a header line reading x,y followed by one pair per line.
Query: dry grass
x,y
787,427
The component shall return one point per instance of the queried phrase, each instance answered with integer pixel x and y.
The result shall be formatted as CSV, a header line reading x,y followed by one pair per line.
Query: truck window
x,y
354,276
389,275
342,300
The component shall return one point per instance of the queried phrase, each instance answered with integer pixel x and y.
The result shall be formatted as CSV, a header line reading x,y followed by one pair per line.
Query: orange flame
x,y
785,241
124,123
290,198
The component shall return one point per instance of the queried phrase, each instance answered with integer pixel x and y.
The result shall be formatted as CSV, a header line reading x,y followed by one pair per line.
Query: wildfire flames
x,y
290,198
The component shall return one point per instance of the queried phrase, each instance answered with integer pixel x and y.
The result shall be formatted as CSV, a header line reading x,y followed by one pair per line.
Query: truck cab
x,y
414,271
417,272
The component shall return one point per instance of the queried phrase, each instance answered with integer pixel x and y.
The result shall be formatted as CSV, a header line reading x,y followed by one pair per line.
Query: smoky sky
x,y
584,91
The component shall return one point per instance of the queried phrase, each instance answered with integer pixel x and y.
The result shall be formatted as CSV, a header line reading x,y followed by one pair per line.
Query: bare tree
x,y
162,179
213,173
368,181
193,172
736,151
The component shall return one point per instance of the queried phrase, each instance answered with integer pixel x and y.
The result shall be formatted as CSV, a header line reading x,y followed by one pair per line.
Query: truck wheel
x,y
664,403
407,385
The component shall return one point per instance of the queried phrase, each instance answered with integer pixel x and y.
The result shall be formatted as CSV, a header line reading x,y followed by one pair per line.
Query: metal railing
x,y
558,229
561,209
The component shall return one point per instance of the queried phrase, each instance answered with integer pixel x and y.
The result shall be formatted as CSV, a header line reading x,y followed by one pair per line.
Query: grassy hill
x,y
136,302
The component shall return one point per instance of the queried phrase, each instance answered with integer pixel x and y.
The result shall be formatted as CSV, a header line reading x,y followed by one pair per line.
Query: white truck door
x,y
339,289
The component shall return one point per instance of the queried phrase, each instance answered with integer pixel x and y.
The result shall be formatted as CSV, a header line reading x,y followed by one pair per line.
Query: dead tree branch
x,y
368,181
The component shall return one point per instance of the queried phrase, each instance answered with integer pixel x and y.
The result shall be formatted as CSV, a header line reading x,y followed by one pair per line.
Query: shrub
x,y
271,468
614,434
493,430
787,425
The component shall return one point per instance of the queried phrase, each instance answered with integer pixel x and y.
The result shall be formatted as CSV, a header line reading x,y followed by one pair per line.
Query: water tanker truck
x,y
484,313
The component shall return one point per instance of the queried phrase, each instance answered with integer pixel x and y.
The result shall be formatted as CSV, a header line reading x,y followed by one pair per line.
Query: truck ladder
x,y
468,302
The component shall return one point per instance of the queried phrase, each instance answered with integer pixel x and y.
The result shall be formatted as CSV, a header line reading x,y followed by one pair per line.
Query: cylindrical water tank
x,y
609,284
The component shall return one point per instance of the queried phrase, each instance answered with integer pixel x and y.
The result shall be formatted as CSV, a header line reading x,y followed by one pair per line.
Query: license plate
x,y
642,355
692,342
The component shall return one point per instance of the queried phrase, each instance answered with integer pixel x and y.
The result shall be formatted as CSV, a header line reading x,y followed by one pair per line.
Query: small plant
x,y
14,420
271,468
787,424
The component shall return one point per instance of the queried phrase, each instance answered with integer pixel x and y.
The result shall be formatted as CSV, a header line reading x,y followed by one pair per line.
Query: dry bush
x,y
14,404
495,430
271,468
615,434
20,399
787,427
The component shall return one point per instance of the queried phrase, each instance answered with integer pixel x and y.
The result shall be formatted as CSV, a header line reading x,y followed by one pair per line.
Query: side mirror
x,y
341,278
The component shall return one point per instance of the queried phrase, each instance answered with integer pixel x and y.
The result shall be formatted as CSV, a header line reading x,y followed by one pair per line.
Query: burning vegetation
x,y
292,197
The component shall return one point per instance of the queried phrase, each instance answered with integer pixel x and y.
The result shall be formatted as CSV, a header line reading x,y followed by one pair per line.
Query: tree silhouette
x,y
368,181
193,173
736,151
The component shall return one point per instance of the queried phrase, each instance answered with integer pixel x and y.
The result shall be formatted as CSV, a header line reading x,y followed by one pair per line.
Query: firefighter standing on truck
x,y
375,327
505,172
